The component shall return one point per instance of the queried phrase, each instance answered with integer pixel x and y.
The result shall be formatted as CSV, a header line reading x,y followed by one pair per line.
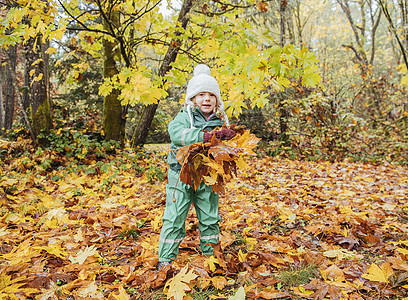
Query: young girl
x,y
203,111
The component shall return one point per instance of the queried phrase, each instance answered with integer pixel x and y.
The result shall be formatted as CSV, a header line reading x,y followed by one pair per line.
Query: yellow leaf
x,y
90,292
51,50
79,236
241,164
177,285
82,255
404,80
54,249
211,180
122,294
242,256
219,282
157,222
39,77
375,273
211,261
402,250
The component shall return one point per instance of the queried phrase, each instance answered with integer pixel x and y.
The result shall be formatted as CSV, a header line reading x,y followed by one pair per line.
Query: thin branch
x,y
195,57
373,31
351,47
85,28
106,19
137,17
88,29
394,31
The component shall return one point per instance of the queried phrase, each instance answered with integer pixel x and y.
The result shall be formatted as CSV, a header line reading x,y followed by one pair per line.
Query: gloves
x,y
223,134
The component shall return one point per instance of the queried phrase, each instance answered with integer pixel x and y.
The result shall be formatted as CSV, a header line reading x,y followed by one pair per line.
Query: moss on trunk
x,y
41,119
114,121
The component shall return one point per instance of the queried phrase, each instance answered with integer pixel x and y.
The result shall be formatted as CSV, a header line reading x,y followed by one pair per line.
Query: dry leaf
x,y
376,273
177,285
219,282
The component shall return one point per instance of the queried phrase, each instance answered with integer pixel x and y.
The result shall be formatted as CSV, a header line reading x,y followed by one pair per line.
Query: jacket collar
x,y
197,109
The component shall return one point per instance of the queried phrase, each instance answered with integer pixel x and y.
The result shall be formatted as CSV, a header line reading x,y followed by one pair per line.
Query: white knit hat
x,y
202,81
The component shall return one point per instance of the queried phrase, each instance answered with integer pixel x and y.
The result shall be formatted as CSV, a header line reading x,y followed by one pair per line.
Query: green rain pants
x,y
174,217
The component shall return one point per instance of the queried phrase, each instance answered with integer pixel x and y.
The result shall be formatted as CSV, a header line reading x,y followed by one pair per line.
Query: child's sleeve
x,y
181,133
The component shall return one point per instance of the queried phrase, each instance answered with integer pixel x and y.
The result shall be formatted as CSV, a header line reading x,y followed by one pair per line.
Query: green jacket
x,y
183,133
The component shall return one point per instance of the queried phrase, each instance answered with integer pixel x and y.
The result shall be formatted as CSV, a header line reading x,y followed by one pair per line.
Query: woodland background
x,y
87,86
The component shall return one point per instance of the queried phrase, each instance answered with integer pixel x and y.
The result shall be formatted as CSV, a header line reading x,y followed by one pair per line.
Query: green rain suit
x,y
185,131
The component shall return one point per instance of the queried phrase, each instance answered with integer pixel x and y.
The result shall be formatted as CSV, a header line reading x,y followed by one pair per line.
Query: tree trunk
x,y
145,121
283,118
26,89
299,26
114,121
282,13
402,43
39,102
2,119
9,91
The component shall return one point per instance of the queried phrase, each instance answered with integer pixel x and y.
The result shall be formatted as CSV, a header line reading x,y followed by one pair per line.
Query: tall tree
x,y
401,33
283,114
145,121
114,120
39,103
2,116
9,91
364,27
364,30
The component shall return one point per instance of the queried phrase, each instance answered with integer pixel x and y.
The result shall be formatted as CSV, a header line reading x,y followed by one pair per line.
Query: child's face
x,y
206,102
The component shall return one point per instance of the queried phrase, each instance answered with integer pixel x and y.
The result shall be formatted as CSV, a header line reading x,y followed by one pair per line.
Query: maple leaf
x,y
53,292
82,255
10,287
79,236
239,295
122,294
177,285
216,161
211,261
340,254
226,239
323,289
90,292
375,273
219,282
242,256
54,249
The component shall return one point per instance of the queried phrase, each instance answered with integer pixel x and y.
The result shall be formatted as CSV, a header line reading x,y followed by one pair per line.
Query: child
x,y
203,111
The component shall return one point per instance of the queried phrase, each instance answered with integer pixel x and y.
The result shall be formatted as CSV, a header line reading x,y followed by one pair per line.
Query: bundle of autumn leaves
x,y
216,161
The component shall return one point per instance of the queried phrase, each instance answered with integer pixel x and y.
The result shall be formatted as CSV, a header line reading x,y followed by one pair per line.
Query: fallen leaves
x,y
96,235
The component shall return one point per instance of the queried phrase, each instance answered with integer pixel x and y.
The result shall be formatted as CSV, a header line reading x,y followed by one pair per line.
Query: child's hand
x,y
226,134
223,134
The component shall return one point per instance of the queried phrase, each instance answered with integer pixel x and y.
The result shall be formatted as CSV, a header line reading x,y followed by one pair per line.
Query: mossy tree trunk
x,y
114,121
39,103
145,121
9,91
2,117
283,114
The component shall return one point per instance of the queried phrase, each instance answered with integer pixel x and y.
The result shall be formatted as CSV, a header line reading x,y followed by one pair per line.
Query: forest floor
x,y
289,230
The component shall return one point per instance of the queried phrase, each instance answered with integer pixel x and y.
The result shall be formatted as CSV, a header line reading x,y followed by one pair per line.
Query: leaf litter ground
x,y
79,235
